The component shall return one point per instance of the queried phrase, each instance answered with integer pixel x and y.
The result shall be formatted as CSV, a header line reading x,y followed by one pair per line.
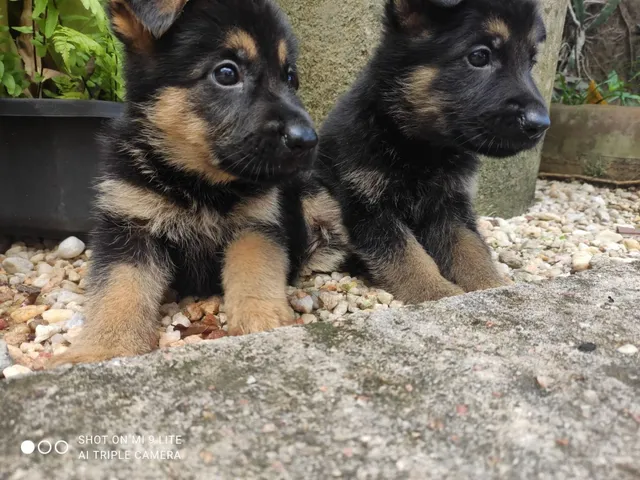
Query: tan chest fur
x,y
160,217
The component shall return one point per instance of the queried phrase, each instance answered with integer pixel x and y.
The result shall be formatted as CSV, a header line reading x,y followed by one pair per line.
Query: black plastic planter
x,y
49,157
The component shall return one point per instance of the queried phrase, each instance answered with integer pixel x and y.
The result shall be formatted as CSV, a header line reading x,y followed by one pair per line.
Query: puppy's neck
x,y
399,149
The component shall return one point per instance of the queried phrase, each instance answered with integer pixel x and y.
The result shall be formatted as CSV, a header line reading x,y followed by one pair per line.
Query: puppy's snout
x,y
535,120
299,137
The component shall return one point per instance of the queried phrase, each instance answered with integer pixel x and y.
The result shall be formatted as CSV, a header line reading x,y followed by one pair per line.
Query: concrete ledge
x,y
488,385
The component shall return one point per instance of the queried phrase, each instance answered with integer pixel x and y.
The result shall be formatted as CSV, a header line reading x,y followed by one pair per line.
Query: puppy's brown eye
x,y
292,79
480,58
226,75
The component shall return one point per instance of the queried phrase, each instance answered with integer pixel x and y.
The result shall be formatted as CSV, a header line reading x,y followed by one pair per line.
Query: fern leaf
x,y
97,8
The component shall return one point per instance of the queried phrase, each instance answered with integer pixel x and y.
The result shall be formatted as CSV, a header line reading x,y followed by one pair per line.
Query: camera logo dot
x,y
61,447
27,447
44,447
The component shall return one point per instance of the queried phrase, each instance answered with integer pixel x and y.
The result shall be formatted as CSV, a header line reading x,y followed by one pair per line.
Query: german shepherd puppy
x,y
450,79
192,193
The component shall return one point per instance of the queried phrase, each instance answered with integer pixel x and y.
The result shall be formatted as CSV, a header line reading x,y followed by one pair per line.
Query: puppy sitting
x,y
450,79
191,195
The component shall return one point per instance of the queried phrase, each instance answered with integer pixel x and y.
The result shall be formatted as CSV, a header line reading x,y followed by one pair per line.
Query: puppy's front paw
x,y
487,282
257,315
443,290
428,291
505,282
77,355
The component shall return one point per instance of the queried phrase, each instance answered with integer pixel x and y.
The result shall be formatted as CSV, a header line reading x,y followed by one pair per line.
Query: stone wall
x,y
336,39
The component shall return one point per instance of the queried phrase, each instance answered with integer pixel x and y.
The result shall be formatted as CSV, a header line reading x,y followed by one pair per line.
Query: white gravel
x,y
569,229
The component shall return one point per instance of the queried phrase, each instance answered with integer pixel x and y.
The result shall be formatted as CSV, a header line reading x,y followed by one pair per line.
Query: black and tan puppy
x,y
192,195
451,79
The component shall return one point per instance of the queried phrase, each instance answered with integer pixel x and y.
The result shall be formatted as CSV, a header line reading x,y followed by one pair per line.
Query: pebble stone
x,y
71,247
45,332
13,265
581,261
56,315
5,357
570,228
302,305
15,371
26,313
628,349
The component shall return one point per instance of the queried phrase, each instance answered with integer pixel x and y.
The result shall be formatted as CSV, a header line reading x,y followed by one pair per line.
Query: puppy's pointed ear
x,y
139,22
410,16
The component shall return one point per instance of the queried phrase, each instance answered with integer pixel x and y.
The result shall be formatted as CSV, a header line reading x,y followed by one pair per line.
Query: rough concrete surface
x,y
337,39
601,141
486,385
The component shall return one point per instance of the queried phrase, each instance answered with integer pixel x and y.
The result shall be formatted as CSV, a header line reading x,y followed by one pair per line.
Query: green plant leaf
x,y
604,14
41,48
74,95
23,29
581,11
39,8
1,69
613,81
9,82
52,21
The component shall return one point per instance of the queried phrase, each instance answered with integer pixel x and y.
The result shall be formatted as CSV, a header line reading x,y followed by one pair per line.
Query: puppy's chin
x,y
500,147
269,168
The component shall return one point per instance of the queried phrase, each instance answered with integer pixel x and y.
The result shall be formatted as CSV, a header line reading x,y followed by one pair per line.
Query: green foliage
x,y
619,92
12,77
570,90
64,49
615,91
586,23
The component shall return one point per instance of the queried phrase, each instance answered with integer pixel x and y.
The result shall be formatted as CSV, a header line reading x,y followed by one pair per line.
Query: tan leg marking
x,y
121,316
254,279
413,275
473,269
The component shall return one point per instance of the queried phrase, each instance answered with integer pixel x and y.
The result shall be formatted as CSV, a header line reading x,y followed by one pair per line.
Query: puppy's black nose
x,y
535,121
300,137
